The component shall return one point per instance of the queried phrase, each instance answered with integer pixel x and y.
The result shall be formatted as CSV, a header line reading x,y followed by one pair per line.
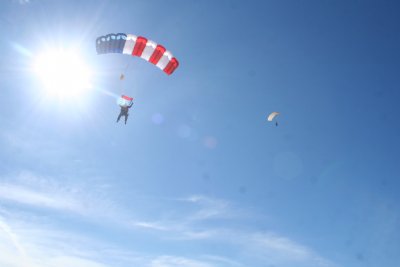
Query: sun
x,y
63,73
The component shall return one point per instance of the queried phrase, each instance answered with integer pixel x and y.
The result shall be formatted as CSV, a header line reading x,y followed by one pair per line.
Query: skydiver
x,y
124,112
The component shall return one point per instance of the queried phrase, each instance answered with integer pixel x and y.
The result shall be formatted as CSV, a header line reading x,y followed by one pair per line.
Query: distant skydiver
x,y
272,116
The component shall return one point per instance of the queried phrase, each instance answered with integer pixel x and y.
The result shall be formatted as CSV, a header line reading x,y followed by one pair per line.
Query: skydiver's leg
x,y
126,118
119,116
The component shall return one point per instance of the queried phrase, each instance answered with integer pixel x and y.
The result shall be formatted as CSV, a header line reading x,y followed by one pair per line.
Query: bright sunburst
x,y
63,73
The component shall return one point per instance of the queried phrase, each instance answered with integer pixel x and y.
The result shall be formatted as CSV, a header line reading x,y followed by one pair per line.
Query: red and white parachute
x,y
139,46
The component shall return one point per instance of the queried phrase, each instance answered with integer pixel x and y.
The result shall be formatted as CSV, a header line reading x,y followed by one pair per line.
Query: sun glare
x,y
63,73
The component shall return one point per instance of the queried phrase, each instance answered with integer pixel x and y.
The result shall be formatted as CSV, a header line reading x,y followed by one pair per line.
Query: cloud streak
x,y
171,261
194,220
282,250
24,195
34,191
38,245
22,2
12,237
268,246
210,208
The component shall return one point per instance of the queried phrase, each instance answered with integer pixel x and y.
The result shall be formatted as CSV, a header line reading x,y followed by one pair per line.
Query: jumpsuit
x,y
124,112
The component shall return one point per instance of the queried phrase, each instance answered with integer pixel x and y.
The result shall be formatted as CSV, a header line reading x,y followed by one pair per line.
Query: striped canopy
x,y
139,46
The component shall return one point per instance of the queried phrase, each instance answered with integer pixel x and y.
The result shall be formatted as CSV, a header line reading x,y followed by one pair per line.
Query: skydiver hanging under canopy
x,y
138,46
124,112
125,102
272,116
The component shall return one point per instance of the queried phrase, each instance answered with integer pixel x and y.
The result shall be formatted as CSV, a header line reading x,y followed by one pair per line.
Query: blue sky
x,y
198,177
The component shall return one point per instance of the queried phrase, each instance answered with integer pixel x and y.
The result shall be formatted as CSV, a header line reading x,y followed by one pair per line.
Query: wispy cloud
x,y
209,208
22,2
270,247
222,260
171,261
201,208
44,246
47,193
280,249
190,234
150,225
194,219
28,196
12,237
49,247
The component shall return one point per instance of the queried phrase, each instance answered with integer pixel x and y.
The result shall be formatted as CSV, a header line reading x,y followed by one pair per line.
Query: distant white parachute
x,y
272,115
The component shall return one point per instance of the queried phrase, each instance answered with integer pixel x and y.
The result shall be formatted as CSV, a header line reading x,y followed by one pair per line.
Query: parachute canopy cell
x,y
139,46
125,101
272,115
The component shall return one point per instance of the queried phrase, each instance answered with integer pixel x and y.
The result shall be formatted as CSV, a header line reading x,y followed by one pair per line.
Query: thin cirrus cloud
x,y
192,220
29,244
171,261
278,249
50,247
209,208
202,208
268,246
222,261
202,261
40,192
12,238
150,225
22,2
28,196
181,225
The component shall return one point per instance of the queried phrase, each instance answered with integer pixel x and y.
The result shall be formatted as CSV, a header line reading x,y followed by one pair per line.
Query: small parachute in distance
x,y
125,101
272,116
139,46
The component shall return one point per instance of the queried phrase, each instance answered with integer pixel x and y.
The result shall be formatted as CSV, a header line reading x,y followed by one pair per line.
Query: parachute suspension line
x,y
139,46
122,77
